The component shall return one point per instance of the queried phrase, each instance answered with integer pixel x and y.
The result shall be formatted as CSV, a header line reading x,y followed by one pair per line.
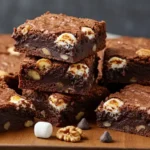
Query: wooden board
x,y
25,139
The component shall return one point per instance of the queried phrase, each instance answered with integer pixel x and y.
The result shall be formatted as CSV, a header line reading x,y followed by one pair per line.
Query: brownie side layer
x,y
15,111
61,109
60,37
52,76
127,61
127,110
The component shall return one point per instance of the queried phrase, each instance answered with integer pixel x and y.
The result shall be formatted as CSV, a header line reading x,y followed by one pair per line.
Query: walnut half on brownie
x,y
127,60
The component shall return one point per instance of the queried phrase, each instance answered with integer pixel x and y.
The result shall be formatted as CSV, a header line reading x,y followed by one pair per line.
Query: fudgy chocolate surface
x,y
127,60
15,111
60,37
61,109
127,110
52,76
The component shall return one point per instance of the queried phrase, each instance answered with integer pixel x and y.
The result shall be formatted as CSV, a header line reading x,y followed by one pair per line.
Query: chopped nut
x,y
43,113
133,80
28,123
57,102
66,40
63,56
46,51
44,64
7,125
143,53
106,124
69,134
140,127
3,74
117,63
59,85
113,106
94,48
25,30
15,99
88,32
79,115
34,75
11,51
79,70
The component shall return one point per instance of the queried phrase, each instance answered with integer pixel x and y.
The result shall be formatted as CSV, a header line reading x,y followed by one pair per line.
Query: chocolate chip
x,y
106,137
83,124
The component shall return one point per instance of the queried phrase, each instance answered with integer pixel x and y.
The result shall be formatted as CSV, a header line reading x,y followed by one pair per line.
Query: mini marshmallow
x,y
113,106
79,69
57,103
66,40
43,129
88,32
117,63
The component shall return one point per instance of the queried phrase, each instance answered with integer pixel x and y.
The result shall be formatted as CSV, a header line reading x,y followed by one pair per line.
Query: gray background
x,y
125,17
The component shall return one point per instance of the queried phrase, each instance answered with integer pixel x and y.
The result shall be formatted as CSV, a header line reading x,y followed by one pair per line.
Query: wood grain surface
x,y
25,139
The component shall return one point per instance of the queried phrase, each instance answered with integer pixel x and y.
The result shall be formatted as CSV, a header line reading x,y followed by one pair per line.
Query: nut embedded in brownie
x,y
60,37
61,110
53,76
15,111
127,110
127,60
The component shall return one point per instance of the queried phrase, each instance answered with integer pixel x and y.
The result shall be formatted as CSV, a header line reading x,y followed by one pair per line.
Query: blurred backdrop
x,y
125,17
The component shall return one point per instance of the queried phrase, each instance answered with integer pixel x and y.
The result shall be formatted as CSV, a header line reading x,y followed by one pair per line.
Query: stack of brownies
x,y
59,71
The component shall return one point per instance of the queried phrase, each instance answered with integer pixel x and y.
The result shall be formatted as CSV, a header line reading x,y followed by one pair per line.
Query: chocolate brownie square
x,y
60,37
61,109
127,60
127,110
15,111
53,76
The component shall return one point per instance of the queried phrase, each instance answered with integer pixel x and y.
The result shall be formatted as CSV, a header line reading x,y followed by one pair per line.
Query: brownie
x,y
15,111
62,109
60,37
127,110
9,61
127,60
53,76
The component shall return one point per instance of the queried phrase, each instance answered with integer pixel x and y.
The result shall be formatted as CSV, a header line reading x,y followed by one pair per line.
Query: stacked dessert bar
x,y
127,62
59,71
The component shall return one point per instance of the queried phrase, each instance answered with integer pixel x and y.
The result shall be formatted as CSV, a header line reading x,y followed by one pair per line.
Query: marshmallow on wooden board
x,y
43,129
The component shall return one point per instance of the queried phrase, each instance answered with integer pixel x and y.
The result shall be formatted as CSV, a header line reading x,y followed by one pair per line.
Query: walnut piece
x,y
145,53
44,64
34,74
46,51
69,134
25,30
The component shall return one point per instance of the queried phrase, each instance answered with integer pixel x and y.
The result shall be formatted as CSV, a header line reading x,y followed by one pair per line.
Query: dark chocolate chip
x,y
83,124
106,137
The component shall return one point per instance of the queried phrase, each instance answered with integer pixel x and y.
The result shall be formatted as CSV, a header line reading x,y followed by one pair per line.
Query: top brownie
x,y
60,37
127,60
